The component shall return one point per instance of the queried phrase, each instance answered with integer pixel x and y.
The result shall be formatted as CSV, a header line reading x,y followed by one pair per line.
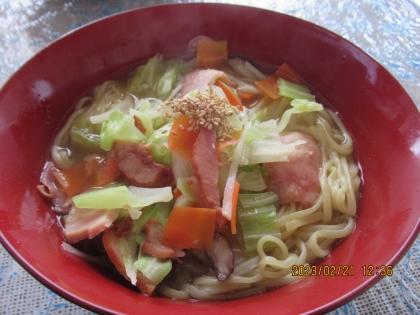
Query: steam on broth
x,y
203,178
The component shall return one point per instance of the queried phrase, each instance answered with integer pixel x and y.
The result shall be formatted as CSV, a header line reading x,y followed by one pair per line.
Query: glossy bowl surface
x,y
382,119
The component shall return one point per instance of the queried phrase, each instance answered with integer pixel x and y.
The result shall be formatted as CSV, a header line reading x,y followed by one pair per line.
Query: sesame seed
x,y
173,132
204,109
181,127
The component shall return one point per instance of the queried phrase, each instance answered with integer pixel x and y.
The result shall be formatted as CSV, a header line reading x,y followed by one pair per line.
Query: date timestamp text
x,y
323,270
340,270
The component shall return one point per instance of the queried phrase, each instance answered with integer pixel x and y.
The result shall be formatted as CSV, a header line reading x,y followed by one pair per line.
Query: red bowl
x,y
381,117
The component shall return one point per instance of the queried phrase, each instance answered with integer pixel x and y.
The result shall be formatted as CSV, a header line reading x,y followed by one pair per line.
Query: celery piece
x,y
294,90
154,269
265,151
161,154
119,127
256,219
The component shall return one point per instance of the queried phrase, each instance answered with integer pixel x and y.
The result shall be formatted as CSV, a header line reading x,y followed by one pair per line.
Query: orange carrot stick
x,y
230,95
211,53
234,206
189,227
180,140
269,87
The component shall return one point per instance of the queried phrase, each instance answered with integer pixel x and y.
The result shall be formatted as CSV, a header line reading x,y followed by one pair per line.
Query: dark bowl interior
x,y
382,119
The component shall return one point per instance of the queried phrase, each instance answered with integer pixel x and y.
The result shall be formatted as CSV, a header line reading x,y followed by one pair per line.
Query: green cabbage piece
x,y
256,217
251,178
119,127
86,134
158,77
154,269
299,106
122,197
294,90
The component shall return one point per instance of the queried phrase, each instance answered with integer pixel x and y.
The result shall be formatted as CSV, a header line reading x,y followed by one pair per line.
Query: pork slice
x,y
87,223
111,243
138,167
201,80
205,164
153,244
298,179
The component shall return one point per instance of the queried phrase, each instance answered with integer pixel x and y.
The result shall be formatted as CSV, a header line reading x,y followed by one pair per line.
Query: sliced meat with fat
x,y
298,179
87,223
205,165
153,244
202,79
138,167
112,246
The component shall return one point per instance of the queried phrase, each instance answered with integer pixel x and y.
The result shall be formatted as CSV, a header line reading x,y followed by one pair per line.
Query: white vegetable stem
x,y
230,183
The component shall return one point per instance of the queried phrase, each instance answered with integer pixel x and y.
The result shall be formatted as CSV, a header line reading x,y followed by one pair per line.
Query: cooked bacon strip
x,y
153,244
112,246
202,79
87,223
138,167
298,179
205,165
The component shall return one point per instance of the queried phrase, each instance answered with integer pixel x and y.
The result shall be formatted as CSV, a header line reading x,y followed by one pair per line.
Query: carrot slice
x,y
189,227
234,206
246,96
108,171
211,53
180,140
269,87
287,73
92,171
230,95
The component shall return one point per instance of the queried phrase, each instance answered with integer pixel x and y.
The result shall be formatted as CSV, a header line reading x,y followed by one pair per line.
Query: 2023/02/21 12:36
x,y
340,270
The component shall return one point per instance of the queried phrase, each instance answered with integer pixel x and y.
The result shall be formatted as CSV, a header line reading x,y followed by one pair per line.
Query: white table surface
x,y
387,30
